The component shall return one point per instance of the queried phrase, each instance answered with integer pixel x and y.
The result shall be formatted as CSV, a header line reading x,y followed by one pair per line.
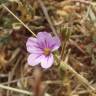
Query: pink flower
x,y
41,48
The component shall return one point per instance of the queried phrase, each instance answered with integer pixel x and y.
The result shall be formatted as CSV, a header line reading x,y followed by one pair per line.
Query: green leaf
x,y
94,38
5,39
89,48
3,1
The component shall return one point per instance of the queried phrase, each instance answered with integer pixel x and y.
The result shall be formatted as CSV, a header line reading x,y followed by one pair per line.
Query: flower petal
x,y
47,61
34,59
44,39
32,46
55,43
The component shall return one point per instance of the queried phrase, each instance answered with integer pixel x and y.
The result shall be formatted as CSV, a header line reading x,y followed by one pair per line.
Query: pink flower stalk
x,y
41,48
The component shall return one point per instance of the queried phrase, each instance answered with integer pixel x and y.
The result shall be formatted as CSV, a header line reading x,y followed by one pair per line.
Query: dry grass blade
x,y
4,6
18,90
47,16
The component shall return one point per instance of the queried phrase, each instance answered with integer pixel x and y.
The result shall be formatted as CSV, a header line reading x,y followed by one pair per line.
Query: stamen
x,y
47,51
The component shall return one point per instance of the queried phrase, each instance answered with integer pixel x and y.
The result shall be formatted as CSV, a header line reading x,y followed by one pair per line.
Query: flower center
x,y
47,51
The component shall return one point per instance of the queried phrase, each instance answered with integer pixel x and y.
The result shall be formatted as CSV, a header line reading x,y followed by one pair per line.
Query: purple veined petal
x,y
44,39
55,43
34,59
32,46
47,61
